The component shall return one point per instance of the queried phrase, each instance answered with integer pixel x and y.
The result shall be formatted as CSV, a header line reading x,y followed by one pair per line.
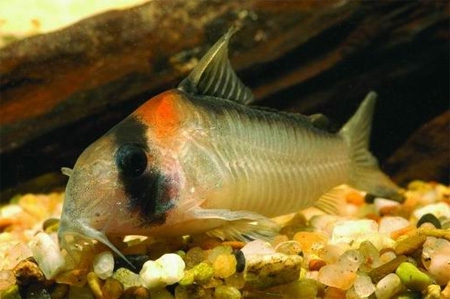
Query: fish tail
x,y
364,171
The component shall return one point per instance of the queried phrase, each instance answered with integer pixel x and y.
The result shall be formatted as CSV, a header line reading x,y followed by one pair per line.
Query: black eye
x,y
131,160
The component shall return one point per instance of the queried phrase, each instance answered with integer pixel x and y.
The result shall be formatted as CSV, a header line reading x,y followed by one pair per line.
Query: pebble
x,y
112,289
95,284
352,230
200,274
263,271
257,247
307,288
440,269
60,291
382,205
289,247
240,261
363,286
136,293
341,274
160,293
429,218
408,295
236,280
226,292
311,241
388,287
80,293
410,244
438,233
331,253
334,293
412,277
390,224
193,257
127,278
7,279
166,270
224,265
14,254
446,291
323,223
27,272
378,273
217,251
438,210
371,255
104,264
47,254
11,293
433,291
387,257
316,264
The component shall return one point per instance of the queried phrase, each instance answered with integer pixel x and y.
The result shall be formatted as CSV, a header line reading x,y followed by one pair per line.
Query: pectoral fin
x,y
240,225
214,76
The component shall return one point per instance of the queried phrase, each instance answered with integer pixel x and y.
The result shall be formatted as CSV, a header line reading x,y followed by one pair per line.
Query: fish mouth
x,y
70,231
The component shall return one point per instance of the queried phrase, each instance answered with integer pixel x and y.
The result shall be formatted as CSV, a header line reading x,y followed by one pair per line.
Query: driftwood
x,y
426,154
61,91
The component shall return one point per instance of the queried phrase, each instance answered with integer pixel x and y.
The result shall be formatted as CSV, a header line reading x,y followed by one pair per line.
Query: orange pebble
x,y
234,244
373,217
388,211
354,197
316,264
334,293
407,230
309,239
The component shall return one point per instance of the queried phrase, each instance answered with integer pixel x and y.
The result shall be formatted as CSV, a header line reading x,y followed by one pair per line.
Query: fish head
x,y
127,180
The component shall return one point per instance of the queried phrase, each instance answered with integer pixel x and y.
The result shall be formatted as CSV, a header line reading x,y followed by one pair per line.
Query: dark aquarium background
x,y
61,90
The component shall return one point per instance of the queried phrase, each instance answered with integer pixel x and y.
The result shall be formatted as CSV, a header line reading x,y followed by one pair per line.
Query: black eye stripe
x,y
131,160
147,193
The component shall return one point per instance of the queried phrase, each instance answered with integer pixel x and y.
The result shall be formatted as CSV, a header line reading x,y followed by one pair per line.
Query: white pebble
x,y
10,211
388,287
104,264
437,251
391,224
438,210
387,257
257,247
166,270
349,231
363,286
342,273
47,255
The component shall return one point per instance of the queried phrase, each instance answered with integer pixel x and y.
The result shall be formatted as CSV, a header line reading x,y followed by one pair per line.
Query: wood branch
x,y
61,91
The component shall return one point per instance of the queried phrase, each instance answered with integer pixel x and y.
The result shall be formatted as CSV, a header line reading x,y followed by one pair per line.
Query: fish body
x,y
199,159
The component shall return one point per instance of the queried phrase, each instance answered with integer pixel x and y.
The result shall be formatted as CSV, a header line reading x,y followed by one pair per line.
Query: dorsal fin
x,y
214,76
320,121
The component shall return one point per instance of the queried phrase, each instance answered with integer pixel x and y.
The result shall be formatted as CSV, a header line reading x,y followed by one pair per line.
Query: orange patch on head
x,y
161,114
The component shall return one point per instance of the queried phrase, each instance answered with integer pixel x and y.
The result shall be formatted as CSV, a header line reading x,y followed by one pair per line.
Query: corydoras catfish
x,y
199,159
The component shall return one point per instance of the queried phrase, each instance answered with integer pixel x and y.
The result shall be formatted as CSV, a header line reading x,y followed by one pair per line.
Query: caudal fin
x,y
365,173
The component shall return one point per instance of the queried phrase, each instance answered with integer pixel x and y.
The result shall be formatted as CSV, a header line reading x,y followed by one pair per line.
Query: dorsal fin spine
x,y
214,76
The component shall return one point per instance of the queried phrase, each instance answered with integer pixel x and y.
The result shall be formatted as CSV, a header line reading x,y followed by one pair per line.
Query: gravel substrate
x,y
376,248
